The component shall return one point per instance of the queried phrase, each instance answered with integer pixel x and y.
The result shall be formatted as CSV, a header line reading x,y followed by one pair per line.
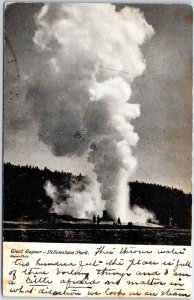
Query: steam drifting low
x,y
80,99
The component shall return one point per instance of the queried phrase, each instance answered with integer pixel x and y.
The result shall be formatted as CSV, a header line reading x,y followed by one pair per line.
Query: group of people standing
x,y
118,222
98,219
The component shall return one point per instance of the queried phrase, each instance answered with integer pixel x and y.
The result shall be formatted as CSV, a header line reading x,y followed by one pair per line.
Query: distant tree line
x,y
24,193
24,196
166,203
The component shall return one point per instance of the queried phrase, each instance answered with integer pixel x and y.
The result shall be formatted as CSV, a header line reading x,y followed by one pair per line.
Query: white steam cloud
x,y
82,199
80,99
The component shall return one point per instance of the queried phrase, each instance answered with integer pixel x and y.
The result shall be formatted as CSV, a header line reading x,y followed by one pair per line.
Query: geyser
x,y
81,100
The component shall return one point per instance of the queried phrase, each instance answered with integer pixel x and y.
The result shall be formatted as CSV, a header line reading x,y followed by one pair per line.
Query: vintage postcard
x,y
97,190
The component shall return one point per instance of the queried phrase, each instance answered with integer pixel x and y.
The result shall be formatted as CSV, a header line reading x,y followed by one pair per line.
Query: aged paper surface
x,y
85,270
97,150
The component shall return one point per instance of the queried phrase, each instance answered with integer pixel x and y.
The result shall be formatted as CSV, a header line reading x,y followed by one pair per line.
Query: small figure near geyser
x,y
119,221
130,224
94,219
98,220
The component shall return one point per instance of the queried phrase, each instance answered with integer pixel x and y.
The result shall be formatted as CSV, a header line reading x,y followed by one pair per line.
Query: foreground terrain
x,y
90,233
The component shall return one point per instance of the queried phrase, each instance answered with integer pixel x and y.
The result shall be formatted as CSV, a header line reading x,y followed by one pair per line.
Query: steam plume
x,y
82,199
80,98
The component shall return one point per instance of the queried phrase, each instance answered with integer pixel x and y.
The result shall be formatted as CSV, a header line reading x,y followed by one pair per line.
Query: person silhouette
x,y
94,219
98,219
119,221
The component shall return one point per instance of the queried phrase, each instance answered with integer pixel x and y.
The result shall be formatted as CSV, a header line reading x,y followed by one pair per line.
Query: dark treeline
x,y
24,193
166,203
25,196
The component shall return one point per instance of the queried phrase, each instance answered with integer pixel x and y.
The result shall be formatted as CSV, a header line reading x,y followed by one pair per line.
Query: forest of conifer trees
x,y
25,196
